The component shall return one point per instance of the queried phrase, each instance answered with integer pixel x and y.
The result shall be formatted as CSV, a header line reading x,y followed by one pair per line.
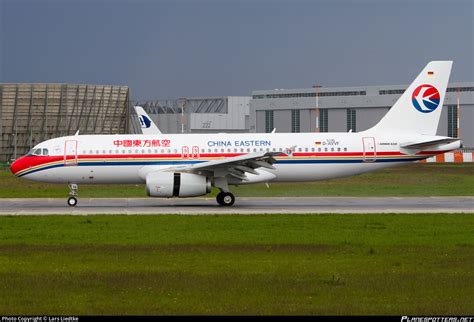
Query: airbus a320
x,y
188,165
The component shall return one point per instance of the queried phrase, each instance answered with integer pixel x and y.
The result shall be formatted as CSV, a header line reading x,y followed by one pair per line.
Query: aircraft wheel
x,y
226,199
219,198
72,201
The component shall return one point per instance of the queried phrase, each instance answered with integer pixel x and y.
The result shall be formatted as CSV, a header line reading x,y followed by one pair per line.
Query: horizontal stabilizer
x,y
428,144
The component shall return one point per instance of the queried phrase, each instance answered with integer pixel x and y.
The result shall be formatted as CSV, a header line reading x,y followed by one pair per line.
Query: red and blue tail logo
x,y
425,98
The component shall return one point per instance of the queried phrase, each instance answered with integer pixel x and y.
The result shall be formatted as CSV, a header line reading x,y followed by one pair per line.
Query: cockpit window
x,y
37,152
45,151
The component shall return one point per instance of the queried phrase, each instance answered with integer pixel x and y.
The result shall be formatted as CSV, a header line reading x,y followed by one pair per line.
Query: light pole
x,y
182,102
317,87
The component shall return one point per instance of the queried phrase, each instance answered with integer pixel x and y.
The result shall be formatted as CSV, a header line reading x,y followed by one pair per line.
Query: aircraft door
x,y
185,152
370,153
70,152
195,152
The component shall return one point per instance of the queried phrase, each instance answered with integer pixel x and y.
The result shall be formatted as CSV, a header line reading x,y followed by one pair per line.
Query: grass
x,y
448,179
273,264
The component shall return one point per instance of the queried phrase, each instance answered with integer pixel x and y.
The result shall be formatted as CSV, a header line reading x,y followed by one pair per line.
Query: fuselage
x,y
94,159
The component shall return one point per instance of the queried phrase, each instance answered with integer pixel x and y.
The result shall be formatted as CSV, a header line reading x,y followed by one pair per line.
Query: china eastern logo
x,y
425,98
145,122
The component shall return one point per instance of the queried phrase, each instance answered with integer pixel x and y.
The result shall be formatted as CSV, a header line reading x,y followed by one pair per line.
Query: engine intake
x,y
176,184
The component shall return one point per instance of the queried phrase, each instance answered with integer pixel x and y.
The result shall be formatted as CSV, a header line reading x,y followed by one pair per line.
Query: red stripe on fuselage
x,y
33,161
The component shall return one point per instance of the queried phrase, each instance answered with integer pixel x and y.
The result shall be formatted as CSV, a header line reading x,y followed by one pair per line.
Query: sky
x,y
171,49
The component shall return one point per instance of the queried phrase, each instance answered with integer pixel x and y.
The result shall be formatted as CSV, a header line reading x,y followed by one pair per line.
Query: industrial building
x,y
199,114
343,109
32,113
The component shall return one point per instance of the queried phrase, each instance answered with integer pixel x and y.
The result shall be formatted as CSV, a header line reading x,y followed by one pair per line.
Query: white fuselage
x,y
129,158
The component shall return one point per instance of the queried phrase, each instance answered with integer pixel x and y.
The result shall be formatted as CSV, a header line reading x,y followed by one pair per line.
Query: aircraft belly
x,y
88,175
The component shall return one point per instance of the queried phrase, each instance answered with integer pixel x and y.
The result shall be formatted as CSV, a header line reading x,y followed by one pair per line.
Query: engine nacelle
x,y
170,184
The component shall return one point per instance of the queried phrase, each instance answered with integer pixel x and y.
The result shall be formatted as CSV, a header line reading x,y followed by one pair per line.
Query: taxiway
x,y
201,206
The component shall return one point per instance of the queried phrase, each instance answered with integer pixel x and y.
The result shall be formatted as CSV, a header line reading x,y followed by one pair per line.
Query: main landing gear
x,y
72,200
226,199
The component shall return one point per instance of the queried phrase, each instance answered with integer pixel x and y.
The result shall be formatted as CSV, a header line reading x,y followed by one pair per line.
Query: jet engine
x,y
176,184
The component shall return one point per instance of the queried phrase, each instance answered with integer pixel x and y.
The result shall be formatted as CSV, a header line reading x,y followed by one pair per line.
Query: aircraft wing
x,y
427,144
235,166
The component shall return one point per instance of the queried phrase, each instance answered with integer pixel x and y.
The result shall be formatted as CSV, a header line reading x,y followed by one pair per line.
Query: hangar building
x,y
31,113
340,109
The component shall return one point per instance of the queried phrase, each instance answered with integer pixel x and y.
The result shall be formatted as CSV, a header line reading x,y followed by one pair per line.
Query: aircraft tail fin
x,y
418,110
146,123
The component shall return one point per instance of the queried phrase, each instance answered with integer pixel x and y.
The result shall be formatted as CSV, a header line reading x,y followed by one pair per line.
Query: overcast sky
x,y
170,49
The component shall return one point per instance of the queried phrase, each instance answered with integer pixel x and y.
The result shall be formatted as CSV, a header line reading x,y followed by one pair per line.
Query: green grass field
x,y
446,179
274,264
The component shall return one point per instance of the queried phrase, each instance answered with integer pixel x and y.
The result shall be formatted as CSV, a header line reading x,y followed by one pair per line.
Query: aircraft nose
x,y
18,165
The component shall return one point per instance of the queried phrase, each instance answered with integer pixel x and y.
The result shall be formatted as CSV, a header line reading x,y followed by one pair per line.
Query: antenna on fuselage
x,y
77,133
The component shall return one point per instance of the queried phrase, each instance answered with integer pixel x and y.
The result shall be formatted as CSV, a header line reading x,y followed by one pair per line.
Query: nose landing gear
x,y
72,200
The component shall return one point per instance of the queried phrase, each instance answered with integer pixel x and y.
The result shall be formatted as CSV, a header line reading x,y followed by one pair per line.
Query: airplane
x,y
188,165
146,123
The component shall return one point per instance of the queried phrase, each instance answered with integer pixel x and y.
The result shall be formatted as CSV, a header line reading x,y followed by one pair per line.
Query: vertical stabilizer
x,y
418,110
146,124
